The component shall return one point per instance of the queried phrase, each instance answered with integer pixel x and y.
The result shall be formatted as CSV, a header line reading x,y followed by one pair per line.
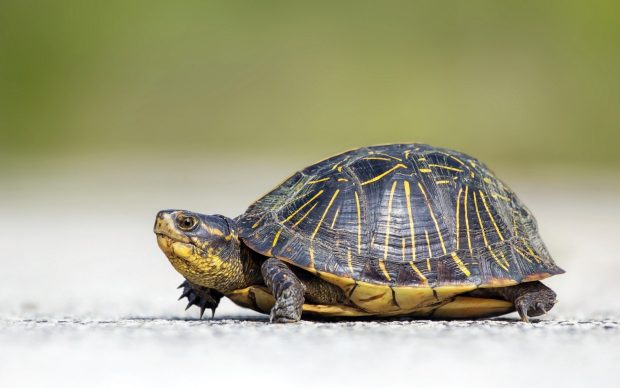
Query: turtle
x,y
378,232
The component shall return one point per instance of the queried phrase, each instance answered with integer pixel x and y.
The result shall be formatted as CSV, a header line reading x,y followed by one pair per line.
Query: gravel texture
x,y
249,351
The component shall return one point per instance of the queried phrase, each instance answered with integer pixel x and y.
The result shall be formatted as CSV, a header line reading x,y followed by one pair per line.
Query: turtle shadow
x,y
220,319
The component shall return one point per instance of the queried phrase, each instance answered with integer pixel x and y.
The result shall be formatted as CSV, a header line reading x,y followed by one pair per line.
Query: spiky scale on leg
x,y
202,297
286,288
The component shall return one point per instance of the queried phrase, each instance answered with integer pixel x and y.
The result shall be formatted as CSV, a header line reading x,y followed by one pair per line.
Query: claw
x,y
182,285
190,304
185,293
541,306
522,310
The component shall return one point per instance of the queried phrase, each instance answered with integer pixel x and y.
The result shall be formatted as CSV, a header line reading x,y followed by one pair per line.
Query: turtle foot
x,y
203,297
534,302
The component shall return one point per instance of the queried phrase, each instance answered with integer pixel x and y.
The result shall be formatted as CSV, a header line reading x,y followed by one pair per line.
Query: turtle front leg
x,y
286,288
200,296
531,299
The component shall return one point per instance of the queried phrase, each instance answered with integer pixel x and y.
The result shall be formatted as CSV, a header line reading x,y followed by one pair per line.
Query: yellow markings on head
x,y
484,202
471,252
383,174
460,264
305,214
339,168
343,180
335,218
302,206
318,180
410,214
406,154
359,224
495,195
421,159
445,167
331,201
387,232
376,158
430,252
458,217
214,231
484,236
349,260
426,170
430,209
442,182
275,239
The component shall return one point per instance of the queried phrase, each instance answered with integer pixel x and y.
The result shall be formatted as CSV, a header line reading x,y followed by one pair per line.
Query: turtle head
x,y
205,249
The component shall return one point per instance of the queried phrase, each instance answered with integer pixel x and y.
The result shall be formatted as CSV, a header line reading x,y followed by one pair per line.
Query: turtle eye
x,y
187,223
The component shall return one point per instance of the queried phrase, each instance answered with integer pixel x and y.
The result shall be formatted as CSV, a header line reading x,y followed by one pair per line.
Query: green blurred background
x,y
514,82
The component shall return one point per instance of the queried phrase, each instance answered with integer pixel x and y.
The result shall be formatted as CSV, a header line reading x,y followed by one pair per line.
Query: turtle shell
x,y
401,215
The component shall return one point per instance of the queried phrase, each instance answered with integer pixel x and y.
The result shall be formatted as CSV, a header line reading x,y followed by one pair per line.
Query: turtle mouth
x,y
178,249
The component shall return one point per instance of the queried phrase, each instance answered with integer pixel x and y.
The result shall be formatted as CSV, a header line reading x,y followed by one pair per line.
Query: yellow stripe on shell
x,y
411,224
460,264
430,253
335,218
471,252
305,214
484,202
383,174
458,216
445,167
302,206
359,224
349,260
387,233
484,236
324,214
430,209
275,239
318,180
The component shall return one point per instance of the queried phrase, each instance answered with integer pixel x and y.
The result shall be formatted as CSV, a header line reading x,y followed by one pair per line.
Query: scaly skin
x,y
531,299
286,288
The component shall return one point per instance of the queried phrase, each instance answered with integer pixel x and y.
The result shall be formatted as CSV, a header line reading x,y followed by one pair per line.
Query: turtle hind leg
x,y
287,290
530,299
203,297
533,299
